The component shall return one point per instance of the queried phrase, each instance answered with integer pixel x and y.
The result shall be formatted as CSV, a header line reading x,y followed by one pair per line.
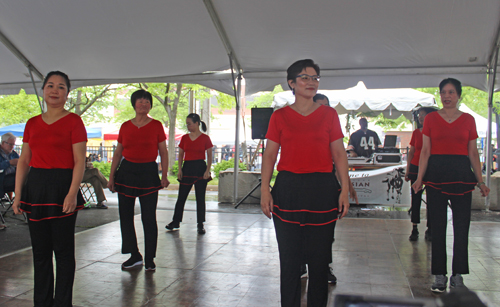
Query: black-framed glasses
x,y
10,143
306,77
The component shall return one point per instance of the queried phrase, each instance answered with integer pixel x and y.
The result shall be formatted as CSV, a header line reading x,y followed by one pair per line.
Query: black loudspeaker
x,y
260,122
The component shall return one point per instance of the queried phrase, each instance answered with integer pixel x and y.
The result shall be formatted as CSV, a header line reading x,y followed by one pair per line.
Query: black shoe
x,y
303,271
150,266
101,206
133,261
428,235
332,279
173,225
414,235
201,229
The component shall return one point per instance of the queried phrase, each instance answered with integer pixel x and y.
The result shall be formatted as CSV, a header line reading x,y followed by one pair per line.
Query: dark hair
x,y
57,73
297,67
196,119
427,110
321,97
141,94
454,82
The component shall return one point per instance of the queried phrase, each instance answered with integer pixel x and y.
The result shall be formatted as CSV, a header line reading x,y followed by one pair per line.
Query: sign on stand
x,y
383,186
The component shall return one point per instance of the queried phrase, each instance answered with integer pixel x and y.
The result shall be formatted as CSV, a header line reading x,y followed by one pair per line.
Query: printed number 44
x,y
370,143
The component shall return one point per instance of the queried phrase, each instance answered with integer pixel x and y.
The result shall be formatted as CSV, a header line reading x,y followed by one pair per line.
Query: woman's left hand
x,y
343,203
69,204
206,175
164,182
484,190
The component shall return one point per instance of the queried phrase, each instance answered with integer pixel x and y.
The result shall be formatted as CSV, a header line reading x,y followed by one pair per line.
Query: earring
x,y
293,91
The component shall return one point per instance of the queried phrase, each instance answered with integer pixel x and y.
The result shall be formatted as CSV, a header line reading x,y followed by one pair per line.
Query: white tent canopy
x,y
391,102
481,122
389,43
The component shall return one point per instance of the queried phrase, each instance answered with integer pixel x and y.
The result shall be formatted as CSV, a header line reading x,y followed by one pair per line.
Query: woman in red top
x,y
48,178
305,201
194,171
412,172
448,153
139,141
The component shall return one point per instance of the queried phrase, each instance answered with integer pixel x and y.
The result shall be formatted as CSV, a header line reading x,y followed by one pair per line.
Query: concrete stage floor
x,y
236,263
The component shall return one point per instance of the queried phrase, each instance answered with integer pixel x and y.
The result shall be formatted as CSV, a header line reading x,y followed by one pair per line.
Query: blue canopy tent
x,y
18,130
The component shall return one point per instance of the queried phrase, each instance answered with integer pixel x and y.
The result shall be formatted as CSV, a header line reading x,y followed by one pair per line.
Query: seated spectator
x,y
8,163
97,180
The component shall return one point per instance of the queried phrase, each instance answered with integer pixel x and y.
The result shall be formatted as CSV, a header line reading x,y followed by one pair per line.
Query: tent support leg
x,y
489,156
36,92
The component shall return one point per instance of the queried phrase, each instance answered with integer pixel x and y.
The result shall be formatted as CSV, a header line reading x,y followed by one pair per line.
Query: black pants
x,y
200,188
437,203
296,243
148,216
48,237
416,203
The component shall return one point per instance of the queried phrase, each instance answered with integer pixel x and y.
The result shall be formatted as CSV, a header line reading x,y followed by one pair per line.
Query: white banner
x,y
384,186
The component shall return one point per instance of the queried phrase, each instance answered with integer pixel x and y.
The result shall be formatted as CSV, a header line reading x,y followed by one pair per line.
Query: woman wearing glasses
x,y
139,141
305,201
449,151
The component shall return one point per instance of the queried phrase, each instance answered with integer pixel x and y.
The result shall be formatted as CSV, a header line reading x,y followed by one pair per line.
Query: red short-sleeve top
x,y
52,145
140,144
195,150
450,138
416,141
305,140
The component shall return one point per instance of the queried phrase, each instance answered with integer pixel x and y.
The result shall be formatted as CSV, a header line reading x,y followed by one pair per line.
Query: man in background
x,y
363,142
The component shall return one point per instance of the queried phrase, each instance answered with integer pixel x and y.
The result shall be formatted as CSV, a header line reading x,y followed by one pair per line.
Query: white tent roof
x,y
391,102
481,122
385,43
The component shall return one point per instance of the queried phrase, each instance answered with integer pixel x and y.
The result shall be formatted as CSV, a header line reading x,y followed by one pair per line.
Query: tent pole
x,y
36,92
237,142
489,156
9,45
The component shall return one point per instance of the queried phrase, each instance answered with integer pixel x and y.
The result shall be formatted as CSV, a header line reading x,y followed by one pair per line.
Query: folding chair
x,y
88,193
6,200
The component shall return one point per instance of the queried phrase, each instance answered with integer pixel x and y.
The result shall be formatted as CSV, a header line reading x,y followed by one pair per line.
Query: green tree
x,y
90,101
16,109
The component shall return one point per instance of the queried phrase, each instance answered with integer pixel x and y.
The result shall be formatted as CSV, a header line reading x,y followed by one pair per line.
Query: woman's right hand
x,y
179,175
111,184
16,205
417,185
266,203
406,175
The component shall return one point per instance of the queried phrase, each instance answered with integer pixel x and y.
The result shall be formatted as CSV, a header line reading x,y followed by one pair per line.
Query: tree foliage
x,y
90,101
16,109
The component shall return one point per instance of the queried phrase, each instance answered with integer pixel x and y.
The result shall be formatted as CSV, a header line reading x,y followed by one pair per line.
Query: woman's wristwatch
x,y
479,184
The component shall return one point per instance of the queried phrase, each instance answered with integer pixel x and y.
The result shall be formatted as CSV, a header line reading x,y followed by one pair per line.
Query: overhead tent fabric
x,y
385,43
18,130
391,102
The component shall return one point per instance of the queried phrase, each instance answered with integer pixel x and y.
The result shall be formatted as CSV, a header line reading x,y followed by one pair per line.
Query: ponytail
x,y
196,119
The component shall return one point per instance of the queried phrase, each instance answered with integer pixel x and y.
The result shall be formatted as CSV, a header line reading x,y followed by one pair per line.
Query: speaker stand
x,y
256,186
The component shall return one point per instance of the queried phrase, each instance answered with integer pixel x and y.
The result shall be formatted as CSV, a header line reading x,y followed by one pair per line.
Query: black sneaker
x,y
457,281
201,229
414,235
428,235
173,225
332,279
101,206
133,261
303,271
150,266
439,285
